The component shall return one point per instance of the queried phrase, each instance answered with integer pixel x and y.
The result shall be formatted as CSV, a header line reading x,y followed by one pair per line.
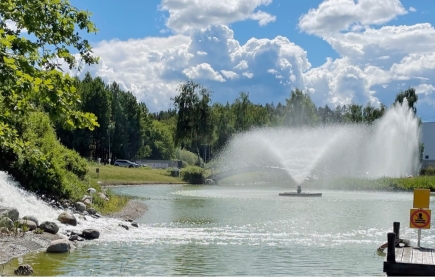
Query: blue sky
x,y
340,51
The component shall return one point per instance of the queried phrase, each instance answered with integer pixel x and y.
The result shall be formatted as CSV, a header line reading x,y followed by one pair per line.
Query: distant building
x,y
160,163
428,139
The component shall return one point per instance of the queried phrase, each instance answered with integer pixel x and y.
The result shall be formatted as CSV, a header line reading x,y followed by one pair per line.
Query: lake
x,y
242,231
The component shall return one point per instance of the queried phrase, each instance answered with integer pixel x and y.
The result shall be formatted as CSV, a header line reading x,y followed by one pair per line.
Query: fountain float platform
x,y
301,194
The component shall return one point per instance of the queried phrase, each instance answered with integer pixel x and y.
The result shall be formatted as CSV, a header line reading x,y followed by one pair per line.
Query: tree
x,y
30,68
410,96
301,111
194,115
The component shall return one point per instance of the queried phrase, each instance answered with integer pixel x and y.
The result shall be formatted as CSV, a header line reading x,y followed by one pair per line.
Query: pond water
x,y
242,231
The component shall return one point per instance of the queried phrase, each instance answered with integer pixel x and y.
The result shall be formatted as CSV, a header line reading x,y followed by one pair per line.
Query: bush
x,y
45,166
428,171
193,175
187,156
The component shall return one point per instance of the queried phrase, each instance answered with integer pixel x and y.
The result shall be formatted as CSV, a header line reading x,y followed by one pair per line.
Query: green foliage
x,y
301,111
410,96
194,116
187,156
29,65
428,171
193,175
46,166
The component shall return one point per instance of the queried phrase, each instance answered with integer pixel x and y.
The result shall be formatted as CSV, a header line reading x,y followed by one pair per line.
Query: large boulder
x,y
9,212
59,246
90,233
6,223
49,227
31,218
30,224
80,206
67,218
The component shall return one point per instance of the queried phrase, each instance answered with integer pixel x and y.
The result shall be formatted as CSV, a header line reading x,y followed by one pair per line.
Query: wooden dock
x,y
408,261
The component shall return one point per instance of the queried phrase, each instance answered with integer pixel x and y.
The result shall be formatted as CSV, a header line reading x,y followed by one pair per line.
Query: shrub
x,y
45,166
187,156
428,171
193,175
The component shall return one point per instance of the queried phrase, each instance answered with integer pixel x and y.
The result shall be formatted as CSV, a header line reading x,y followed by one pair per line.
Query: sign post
x,y
420,215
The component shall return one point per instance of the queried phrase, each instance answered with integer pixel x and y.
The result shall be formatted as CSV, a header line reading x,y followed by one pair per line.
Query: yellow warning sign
x,y
420,218
421,198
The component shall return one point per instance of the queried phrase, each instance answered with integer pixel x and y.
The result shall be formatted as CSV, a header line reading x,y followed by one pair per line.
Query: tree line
x,y
128,130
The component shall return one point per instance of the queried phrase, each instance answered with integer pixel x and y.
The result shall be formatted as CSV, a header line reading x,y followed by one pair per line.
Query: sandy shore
x,y
13,247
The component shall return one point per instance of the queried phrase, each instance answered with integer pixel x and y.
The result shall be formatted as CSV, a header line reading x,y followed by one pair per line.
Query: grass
x,y
387,184
115,175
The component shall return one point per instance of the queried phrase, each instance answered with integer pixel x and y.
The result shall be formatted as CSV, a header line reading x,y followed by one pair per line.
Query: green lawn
x,y
115,175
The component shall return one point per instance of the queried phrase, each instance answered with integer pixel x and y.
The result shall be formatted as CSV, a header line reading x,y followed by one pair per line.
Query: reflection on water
x,y
244,231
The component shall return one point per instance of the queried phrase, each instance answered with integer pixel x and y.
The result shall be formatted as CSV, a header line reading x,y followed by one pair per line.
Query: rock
x,y
49,227
124,226
73,237
129,220
9,212
67,218
31,225
4,230
31,218
6,223
134,224
80,206
24,269
87,201
103,196
91,211
90,233
59,246
86,197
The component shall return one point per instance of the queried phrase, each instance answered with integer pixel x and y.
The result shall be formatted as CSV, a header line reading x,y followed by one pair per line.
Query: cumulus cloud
x,y
412,9
374,59
187,15
203,71
340,15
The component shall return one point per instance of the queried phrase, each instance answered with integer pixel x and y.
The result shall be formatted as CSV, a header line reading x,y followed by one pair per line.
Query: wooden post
x,y
396,229
391,253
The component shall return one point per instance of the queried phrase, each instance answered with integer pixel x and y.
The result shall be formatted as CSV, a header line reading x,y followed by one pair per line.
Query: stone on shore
x,y
30,224
9,212
90,233
59,246
80,206
49,227
67,218
31,218
24,269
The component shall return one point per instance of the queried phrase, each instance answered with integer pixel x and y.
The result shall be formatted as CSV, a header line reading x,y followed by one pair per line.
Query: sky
x,y
338,51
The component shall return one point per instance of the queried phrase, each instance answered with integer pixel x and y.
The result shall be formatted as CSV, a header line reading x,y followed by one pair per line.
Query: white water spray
x,y
389,147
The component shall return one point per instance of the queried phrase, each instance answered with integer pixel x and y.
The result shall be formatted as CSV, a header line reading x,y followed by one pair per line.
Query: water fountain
x,y
389,147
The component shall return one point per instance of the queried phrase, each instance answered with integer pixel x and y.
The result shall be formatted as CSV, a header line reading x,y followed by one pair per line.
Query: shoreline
x,y
115,185
12,247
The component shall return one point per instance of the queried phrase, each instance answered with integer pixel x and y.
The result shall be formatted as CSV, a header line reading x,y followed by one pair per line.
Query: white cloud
x,y
425,89
229,74
203,71
374,61
186,15
412,9
248,75
242,65
340,15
